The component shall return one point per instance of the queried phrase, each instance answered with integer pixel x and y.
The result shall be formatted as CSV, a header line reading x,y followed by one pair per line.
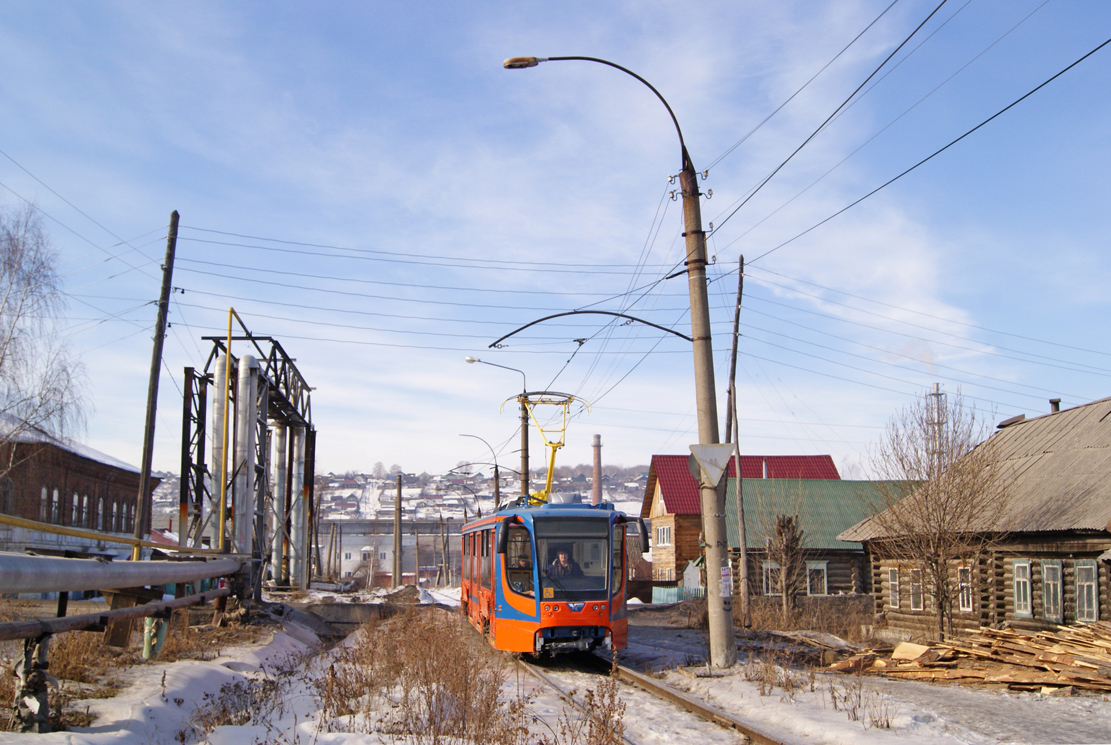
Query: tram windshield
x,y
574,558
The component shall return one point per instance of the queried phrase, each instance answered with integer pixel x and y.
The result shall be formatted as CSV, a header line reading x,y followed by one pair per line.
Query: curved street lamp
x,y
723,648
524,419
497,479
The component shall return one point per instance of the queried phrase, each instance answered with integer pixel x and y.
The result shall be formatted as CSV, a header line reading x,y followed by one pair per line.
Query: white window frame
x,y
893,587
770,589
964,589
663,535
917,591
1020,588
56,508
1087,592
818,565
1052,591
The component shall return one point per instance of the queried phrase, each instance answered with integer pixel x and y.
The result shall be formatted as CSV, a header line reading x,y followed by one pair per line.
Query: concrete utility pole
x,y
396,582
596,490
723,646
142,506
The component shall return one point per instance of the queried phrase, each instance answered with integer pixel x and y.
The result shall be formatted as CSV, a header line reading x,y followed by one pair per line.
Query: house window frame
x,y
964,588
1090,614
822,565
772,590
1053,611
893,587
917,591
1021,589
663,535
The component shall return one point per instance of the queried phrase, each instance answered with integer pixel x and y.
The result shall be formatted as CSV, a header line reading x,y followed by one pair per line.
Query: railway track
x,y
659,690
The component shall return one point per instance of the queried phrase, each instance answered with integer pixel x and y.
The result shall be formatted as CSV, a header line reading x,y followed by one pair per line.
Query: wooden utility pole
x,y
735,431
142,501
397,537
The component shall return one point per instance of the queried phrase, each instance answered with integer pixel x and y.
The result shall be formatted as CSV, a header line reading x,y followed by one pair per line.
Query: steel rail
x,y
564,695
695,706
46,626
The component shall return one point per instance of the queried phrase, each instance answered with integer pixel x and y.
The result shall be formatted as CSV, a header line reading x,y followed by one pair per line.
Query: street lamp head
x,y
471,360
517,63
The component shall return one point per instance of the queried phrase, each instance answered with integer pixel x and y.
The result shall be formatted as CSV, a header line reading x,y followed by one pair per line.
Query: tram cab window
x,y
518,558
576,558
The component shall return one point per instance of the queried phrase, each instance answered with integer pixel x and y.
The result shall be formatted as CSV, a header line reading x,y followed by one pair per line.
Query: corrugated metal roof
x,y
825,508
680,490
1062,474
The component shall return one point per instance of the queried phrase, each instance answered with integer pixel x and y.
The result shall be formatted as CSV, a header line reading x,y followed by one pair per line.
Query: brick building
x,y
61,482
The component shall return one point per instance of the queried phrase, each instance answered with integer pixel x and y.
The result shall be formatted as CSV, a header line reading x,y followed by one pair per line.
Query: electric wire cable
x,y
822,126
937,152
803,87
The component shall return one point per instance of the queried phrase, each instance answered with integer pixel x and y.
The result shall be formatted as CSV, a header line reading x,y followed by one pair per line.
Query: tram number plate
x,y
726,581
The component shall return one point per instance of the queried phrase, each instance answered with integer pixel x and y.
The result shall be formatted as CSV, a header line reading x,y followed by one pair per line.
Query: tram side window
x,y
617,571
466,557
518,559
484,560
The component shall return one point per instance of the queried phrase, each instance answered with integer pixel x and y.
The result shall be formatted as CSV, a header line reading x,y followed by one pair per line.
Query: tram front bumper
x,y
567,638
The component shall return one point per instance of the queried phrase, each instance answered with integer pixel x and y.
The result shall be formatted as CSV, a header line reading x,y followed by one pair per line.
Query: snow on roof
x,y
26,433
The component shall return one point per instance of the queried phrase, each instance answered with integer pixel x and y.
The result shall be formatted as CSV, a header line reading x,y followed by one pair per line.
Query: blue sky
x,y
398,201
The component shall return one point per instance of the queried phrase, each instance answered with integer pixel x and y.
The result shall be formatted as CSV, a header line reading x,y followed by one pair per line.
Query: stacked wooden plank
x,y
1068,656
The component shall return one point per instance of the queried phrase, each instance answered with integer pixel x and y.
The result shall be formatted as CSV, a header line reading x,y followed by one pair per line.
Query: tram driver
x,y
564,565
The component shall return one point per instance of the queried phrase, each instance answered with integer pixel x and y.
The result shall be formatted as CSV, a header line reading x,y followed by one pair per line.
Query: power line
x,y
765,120
828,119
402,257
918,312
930,157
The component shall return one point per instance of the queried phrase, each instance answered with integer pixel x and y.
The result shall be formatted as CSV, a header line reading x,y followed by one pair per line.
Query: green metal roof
x,y
825,508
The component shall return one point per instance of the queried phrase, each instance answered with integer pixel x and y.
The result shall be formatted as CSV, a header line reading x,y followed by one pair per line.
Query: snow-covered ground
x,y
159,700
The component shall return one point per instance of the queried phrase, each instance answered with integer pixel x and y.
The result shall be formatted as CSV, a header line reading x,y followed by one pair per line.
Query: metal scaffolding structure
x,y
254,497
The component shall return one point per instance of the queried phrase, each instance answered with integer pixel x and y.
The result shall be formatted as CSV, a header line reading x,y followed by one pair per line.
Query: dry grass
x,y
860,701
422,675
85,667
843,616
604,723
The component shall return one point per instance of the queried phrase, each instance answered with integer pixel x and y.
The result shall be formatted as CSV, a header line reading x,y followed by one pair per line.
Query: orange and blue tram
x,y
549,577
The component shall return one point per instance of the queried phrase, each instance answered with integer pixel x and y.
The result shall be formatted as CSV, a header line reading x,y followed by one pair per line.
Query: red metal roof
x,y
680,490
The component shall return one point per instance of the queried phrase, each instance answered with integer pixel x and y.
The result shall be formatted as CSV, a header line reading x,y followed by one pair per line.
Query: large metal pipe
x,y
278,523
20,573
219,403
298,539
244,463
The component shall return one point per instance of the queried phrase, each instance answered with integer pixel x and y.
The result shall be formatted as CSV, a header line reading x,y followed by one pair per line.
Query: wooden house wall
x,y
845,571
993,586
684,547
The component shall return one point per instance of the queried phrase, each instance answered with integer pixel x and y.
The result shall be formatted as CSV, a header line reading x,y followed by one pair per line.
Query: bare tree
x,y
942,493
39,381
777,516
785,549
